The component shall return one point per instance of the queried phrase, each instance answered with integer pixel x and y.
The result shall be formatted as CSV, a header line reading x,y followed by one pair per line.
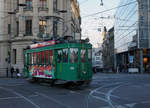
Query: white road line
x,y
108,96
7,98
21,96
52,99
130,105
18,94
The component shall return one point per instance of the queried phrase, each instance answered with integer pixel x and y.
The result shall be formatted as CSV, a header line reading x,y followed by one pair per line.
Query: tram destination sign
x,y
43,44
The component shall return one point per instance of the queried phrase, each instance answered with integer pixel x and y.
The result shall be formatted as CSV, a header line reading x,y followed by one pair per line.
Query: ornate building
x,y
25,21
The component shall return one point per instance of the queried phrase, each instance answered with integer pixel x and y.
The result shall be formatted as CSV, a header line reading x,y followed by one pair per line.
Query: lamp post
x,y
55,20
101,4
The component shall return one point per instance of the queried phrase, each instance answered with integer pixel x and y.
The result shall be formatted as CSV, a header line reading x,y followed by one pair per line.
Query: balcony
x,y
43,35
28,8
43,9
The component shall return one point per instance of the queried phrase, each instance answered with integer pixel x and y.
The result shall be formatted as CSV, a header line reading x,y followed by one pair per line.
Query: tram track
x,y
107,95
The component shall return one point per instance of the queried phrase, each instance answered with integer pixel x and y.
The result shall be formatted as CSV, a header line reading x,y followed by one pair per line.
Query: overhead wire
x,y
108,10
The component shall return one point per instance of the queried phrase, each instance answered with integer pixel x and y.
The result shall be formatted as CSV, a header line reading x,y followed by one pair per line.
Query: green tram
x,y
70,62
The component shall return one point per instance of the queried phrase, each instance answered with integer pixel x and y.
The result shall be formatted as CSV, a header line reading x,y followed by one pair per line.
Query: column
x,y
35,21
21,20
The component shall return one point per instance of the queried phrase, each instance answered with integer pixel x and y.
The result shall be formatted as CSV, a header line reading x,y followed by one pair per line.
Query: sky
x,y
93,25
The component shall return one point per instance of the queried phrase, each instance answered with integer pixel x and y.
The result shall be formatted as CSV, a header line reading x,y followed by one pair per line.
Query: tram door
x,y
59,67
83,64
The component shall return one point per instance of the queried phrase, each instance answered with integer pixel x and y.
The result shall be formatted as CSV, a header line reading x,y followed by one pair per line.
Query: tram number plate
x,y
71,68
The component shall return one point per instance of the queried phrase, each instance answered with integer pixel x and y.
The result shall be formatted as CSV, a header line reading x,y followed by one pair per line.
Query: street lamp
x,y
55,20
101,4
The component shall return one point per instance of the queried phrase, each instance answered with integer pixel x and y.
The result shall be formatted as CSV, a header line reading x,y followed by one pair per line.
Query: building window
x,y
55,5
17,4
43,4
14,56
42,27
9,28
28,27
28,4
55,28
17,27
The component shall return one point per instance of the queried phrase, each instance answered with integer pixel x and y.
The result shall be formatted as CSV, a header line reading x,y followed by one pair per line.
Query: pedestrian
x,y
17,73
12,71
7,72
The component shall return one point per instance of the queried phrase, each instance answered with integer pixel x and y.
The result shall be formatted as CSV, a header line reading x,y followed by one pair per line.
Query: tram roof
x,y
59,46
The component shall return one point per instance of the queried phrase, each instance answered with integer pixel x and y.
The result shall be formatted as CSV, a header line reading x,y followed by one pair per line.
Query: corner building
x,y
132,35
25,21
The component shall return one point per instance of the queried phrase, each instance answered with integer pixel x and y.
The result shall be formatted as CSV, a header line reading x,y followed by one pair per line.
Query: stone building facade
x,y
108,50
26,21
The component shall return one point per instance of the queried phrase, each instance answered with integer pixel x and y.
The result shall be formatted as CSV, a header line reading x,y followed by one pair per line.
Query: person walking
x,y
17,73
12,71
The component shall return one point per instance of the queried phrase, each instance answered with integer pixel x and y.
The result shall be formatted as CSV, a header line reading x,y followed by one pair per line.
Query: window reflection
x,y
89,54
65,55
73,55
83,55
59,55
51,57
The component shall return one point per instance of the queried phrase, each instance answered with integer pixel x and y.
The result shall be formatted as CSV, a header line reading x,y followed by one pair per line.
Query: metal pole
x,y
141,60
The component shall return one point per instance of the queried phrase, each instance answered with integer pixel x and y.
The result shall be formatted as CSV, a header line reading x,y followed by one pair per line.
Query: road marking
x,y
108,95
58,102
21,96
7,98
131,105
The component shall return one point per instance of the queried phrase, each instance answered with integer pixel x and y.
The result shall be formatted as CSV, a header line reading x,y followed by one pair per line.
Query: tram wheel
x,y
80,83
88,82
33,80
52,83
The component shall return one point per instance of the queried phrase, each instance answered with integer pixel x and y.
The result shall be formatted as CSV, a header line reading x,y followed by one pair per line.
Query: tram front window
x,y
59,55
65,55
73,55
90,54
83,55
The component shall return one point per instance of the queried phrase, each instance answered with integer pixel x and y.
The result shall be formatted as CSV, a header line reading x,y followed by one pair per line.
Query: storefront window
x,y
65,55
83,55
59,55
73,55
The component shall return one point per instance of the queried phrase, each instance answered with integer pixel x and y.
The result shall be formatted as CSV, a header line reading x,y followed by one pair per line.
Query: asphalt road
x,y
105,91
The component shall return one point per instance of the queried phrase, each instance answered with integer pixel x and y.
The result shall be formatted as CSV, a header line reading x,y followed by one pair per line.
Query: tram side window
x,y
31,57
42,53
46,57
28,56
51,57
25,59
39,56
73,55
59,55
65,55
83,55
90,54
34,58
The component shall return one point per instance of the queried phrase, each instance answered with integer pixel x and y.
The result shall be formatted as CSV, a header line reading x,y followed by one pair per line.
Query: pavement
x,y
105,91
